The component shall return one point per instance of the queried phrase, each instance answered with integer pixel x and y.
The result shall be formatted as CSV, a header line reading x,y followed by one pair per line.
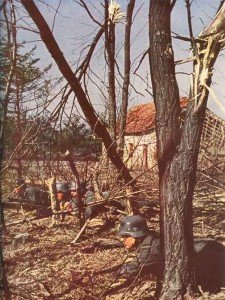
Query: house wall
x,y
140,150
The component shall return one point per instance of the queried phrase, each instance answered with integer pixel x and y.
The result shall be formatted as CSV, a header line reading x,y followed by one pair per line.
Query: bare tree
x,y
97,126
126,80
4,101
110,58
177,146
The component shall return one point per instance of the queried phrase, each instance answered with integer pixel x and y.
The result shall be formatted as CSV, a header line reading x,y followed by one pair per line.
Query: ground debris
x,y
48,266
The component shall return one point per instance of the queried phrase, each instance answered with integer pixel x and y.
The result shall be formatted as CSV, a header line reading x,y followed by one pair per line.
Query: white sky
x,y
72,27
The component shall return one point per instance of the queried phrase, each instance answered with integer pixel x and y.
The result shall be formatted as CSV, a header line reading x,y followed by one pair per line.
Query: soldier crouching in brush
x,y
209,255
33,195
86,196
62,194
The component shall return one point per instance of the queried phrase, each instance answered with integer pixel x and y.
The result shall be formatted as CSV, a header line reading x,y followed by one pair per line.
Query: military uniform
x,y
147,257
86,195
209,255
34,195
62,194
90,211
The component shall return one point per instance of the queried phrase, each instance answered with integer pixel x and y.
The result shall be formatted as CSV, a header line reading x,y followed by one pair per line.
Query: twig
x,y
15,202
24,221
81,231
12,192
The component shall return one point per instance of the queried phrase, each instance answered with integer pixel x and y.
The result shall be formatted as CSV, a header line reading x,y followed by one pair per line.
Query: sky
x,y
74,30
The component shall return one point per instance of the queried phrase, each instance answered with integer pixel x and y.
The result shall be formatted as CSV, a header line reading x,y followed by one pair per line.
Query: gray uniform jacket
x,y
147,256
209,261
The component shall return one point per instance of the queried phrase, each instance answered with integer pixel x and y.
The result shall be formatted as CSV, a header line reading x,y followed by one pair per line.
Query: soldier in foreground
x,y
209,255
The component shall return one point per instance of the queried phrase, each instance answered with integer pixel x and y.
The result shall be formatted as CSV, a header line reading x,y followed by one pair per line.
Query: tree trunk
x,y
18,131
177,147
110,58
4,101
97,126
126,80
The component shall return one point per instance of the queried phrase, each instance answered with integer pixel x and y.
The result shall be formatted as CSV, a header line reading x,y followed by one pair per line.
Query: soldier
x,y
209,254
73,204
34,195
20,187
89,197
62,193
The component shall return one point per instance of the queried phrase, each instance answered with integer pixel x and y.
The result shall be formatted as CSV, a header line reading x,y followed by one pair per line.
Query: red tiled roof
x,y
141,118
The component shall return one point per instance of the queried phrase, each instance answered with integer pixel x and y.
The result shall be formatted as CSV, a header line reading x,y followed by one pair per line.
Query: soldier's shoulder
x,y
152,236
201,244
153,233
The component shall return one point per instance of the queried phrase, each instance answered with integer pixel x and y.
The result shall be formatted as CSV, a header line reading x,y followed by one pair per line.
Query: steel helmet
x,y
62,187
134,226
73,186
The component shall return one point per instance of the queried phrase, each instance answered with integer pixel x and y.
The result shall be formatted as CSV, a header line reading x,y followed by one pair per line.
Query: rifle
x,y
104,245
12,202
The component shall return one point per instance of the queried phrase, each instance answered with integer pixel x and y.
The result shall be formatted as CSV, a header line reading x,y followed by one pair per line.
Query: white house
x,y
140,136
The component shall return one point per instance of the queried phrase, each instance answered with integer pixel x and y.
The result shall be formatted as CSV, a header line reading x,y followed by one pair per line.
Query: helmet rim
x,y
140,233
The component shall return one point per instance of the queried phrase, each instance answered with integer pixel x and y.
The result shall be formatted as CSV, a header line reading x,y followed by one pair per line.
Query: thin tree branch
x,y
65,69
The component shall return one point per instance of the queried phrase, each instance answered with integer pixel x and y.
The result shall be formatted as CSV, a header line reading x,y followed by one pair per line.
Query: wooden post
x,y
128,201
53,196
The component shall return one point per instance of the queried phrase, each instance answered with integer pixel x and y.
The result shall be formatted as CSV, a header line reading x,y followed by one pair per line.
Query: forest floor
x,y
45,264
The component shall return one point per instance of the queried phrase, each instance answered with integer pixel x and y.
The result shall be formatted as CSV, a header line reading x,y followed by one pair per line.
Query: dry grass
x,y
48,266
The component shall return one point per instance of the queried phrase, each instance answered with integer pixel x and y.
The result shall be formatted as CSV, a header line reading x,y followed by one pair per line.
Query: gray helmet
x,y
73,186
134,226
62,187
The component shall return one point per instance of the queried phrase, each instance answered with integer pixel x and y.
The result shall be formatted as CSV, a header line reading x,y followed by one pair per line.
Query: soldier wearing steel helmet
x,y
74,201
62,194
136,235
86,196
209,254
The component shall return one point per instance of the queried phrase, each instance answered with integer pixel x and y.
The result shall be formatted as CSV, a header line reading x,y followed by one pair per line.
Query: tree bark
x,y
18,131
178,147
110,59
97,126
126,80
4,101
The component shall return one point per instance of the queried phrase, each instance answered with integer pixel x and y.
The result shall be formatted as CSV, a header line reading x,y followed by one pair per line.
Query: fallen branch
x,y
24,221
81,231
6,198
15,202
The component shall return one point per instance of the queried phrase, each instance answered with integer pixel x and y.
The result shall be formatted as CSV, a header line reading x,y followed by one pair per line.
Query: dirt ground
x,y
45,264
